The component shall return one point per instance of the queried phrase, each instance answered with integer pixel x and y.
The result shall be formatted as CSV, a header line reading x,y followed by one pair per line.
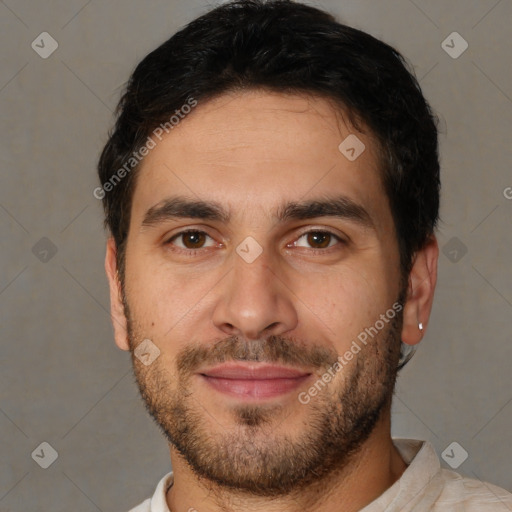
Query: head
x,y
301,157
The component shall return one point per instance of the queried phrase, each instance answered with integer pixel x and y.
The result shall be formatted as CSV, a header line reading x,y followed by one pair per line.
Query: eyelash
x,y
193,252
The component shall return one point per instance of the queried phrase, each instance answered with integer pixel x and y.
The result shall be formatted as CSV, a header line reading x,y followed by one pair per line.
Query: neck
x,y
370,471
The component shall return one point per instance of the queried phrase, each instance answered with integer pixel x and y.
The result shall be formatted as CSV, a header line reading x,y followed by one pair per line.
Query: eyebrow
x,y
176,207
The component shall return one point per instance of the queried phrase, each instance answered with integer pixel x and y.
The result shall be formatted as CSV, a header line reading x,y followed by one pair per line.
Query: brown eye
x,y
191,239
318,239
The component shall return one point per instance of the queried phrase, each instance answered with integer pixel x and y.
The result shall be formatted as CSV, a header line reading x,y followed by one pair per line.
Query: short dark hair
x,y
292,48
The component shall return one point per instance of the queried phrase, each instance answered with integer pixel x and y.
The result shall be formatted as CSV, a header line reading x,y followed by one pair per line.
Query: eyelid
x,y
324,229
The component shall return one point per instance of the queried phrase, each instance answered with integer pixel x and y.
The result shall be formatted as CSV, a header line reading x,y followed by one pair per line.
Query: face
x,y
255,297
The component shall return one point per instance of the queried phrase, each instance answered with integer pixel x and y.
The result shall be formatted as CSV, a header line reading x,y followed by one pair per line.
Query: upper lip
x,y
254,371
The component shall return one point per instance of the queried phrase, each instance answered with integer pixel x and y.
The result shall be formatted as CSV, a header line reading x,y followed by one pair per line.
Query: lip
x,y
254,381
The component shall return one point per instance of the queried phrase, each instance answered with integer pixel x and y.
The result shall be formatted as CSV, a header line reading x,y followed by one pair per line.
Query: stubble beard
x,y
255,455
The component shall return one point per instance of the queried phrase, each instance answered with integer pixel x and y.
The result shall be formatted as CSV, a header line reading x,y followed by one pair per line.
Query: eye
x,y
318,239
190,239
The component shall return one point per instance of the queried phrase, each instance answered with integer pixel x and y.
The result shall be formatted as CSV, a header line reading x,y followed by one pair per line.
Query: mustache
x,y
274,349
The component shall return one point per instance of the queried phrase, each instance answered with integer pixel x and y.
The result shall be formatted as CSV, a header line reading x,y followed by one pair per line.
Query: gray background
x,y
63,381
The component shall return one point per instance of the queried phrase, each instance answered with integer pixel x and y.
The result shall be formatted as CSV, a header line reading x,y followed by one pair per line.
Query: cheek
x,y
343,303
165,302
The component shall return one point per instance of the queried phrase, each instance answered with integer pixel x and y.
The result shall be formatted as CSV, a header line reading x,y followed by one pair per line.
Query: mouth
x,y
255,381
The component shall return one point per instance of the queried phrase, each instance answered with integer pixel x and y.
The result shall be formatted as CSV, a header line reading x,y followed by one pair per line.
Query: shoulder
x,y
425,485
475,495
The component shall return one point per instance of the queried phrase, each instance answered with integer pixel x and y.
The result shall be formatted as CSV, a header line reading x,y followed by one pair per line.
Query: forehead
x,y
254,150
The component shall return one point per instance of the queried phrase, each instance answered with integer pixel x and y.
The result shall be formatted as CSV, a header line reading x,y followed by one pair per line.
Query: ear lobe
x,y
117,312
420,295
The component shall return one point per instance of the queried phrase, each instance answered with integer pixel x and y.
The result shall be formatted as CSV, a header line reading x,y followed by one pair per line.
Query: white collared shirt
x,y
424,486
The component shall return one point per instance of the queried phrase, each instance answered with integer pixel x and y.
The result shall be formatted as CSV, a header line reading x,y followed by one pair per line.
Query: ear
x,y
116,301
420,292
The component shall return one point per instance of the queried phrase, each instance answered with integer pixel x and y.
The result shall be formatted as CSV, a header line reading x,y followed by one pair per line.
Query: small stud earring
x,y
420,326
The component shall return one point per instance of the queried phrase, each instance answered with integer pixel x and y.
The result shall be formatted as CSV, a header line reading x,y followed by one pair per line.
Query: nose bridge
x,y
253,278
253,300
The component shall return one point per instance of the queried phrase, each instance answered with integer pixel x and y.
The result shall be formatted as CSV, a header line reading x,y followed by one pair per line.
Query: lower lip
x,y
256,388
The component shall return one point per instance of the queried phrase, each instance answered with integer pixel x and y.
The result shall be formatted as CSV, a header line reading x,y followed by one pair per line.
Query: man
x,y
272,188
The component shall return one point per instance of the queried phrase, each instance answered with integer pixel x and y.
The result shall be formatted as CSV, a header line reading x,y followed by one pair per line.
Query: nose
x,y
254,301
